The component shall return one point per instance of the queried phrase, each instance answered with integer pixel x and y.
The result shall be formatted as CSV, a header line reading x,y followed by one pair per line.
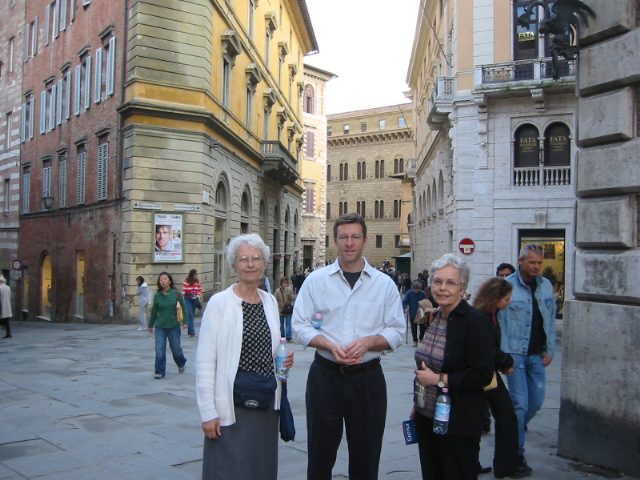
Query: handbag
x,y
252,390
179,313
287,308
198,304
287,426
493,384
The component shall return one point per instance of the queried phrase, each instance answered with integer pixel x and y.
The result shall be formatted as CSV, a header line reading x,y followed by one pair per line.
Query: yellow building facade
x,y
212,134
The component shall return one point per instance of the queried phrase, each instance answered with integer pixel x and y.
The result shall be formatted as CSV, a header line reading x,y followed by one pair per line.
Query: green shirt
x,y
163,312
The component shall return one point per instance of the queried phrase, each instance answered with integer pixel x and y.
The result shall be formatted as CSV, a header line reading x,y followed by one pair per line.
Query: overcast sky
x,y
367,43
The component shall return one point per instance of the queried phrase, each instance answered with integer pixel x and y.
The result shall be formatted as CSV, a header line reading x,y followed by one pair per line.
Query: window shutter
x,y
67,96
77,91
59,95
97,84
87,83
111,67
43,111
103,168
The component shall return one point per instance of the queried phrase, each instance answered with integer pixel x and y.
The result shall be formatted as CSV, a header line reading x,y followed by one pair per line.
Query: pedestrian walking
x,y
493,296
529,334
5,306
362,316
410,305
192,290
166,324
144,297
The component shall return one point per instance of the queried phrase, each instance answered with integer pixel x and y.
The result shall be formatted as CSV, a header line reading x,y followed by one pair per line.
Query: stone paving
x,y
79,401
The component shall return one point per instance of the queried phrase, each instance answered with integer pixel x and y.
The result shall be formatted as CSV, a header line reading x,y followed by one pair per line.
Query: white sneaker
x,y
141,329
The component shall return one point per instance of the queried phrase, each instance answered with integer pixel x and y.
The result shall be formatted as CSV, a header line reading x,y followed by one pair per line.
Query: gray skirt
x,y
246,450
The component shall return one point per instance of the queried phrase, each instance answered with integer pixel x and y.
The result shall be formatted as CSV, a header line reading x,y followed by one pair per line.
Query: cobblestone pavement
x,y
79,401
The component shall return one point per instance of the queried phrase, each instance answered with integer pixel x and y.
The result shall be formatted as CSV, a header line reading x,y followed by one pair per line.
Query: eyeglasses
x,y
245,260
345,238
437,282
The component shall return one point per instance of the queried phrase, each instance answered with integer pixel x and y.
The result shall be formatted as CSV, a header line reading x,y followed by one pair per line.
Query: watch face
x,y
440,384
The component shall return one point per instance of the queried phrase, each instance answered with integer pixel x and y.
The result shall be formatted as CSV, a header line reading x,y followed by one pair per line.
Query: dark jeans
x,y
446,457
173,335
414,330
191,311
359,402
505,456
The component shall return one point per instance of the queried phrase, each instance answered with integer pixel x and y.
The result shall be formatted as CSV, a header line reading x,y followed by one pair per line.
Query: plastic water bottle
x,y
282,373
443,410
316,320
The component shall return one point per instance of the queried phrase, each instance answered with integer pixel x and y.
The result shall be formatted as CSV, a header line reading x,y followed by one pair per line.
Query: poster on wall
x,y
167,237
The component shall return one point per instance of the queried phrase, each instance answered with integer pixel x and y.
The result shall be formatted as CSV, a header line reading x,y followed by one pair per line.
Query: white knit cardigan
x,y
218,354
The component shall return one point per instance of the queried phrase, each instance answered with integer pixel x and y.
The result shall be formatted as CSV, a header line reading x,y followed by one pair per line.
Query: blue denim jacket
x,y
515,320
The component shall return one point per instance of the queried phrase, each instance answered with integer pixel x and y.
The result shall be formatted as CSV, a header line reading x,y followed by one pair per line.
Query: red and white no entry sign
x,y
466,246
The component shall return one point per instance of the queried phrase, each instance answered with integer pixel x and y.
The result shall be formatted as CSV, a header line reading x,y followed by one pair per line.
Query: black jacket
x,y
469,362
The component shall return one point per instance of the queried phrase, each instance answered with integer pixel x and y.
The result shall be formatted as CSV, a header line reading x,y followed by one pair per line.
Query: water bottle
x,y
282,373
316,320
443,410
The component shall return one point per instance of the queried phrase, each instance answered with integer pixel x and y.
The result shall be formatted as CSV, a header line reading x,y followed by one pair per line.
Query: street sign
x,y
16,264
467,246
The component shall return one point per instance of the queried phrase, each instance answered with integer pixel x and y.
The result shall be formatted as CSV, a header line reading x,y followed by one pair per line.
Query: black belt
x,y
342,368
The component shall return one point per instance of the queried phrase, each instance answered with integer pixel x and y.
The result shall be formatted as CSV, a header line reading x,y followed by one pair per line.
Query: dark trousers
x,y
359,402
505,456
414,330
446,457
7,326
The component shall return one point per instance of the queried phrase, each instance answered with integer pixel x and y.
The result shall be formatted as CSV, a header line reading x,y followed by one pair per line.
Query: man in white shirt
x,y
361,316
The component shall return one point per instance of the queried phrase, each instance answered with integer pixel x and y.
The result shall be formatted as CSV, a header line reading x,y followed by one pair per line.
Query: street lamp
x,y
48,202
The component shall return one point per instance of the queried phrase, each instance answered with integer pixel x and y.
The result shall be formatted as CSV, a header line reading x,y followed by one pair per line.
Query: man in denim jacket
x,y
529,335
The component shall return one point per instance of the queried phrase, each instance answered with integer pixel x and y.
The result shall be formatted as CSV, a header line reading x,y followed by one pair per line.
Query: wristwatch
x,y
441,381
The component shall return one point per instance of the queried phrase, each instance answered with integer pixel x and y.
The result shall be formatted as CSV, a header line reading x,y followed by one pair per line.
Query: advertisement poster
x,y
168,237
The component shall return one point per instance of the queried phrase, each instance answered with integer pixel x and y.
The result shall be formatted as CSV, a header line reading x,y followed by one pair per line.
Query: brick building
x,y
183,116
12,103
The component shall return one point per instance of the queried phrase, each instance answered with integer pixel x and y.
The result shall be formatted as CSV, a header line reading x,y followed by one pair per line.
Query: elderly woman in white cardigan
x,y
240,331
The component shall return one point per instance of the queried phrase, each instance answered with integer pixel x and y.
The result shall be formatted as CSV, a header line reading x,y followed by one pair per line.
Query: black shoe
x,y
484,470
523,469
7,336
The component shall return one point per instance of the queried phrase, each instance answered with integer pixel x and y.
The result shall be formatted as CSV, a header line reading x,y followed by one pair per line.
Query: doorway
x,y
553,264
46,288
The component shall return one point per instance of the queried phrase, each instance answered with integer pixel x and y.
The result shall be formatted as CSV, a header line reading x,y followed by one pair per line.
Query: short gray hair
x,y
416,284
454,261
253,240
2,279
530,247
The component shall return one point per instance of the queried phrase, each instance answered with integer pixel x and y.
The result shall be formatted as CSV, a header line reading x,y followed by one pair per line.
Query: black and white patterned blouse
x,y
255,355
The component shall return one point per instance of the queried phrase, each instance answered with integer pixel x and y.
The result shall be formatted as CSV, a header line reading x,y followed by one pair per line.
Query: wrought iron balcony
x,y
545,176
278,163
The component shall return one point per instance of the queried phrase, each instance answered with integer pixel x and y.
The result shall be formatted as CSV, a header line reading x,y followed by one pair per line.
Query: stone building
x,y
314,168
368,154
600,407
495,156
163,130
13,53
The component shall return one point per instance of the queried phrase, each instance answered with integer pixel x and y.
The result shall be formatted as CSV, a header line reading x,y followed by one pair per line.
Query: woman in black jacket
x,y
457,353
494,295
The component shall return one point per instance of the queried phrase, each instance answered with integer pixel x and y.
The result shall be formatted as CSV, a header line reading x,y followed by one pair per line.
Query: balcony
x,y
524,72
542,176
441,98
278,163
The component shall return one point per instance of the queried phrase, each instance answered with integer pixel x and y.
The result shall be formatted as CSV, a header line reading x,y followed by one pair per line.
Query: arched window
x,y
527,147
381,169
398,165
557,147
341,172
358,171
328,210
397,208
346,171
379,209
441,193
309,99
434,199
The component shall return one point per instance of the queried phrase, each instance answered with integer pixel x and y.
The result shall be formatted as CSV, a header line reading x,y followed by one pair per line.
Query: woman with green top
x,y
167,326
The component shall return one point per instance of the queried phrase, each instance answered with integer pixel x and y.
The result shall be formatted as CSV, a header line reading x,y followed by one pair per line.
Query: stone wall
x,y
600,411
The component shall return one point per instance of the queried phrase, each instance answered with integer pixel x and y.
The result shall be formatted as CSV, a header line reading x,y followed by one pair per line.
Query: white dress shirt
x,y
372,307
